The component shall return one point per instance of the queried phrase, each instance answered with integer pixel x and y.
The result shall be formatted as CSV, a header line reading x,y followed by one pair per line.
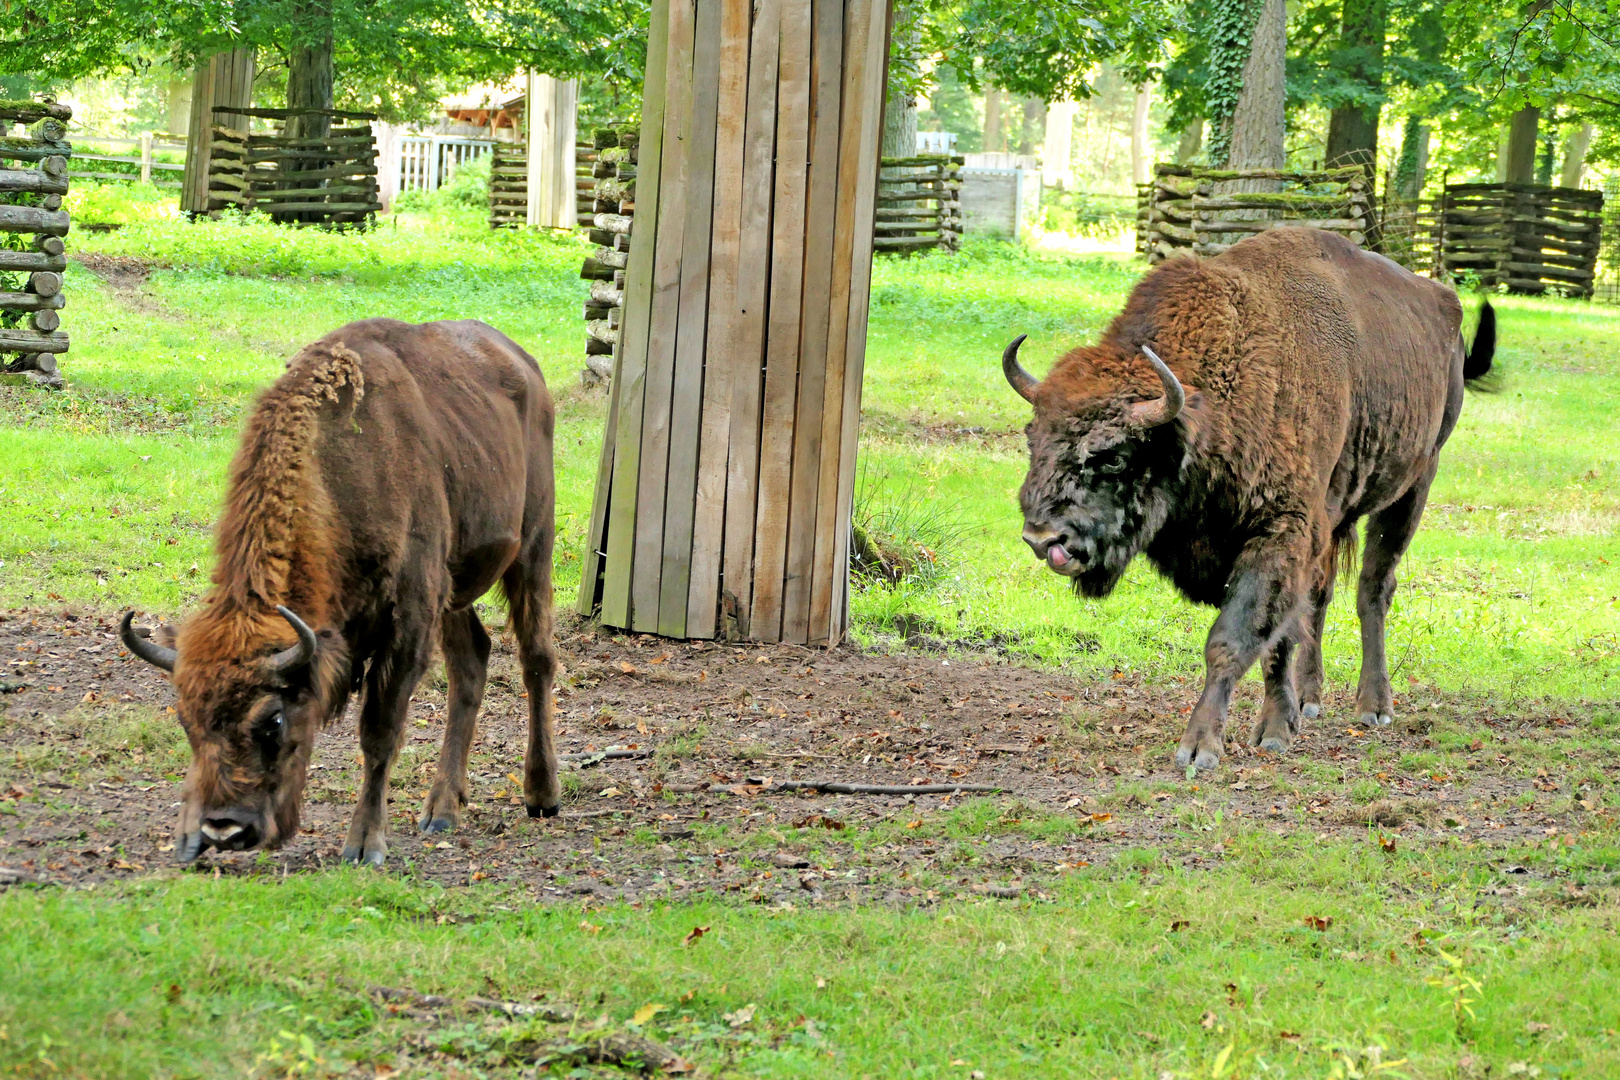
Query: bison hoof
x,y
1311,711
1369,719
364,857
1273,745
543,811
1207,761
436,825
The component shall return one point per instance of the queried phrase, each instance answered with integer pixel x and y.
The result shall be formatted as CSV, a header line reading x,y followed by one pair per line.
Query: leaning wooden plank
x,y
721,354
750,314
826,69
783,329
613,528
656,416
870,105
686,398
855,127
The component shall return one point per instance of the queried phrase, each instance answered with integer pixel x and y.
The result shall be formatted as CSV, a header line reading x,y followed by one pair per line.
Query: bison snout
x,y
230,831
1050,546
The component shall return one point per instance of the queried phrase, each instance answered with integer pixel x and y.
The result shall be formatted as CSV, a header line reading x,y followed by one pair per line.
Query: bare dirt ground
x,y
91,759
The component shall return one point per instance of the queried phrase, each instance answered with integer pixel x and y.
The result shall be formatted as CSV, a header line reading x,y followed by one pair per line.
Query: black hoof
x,y
543,811
436,825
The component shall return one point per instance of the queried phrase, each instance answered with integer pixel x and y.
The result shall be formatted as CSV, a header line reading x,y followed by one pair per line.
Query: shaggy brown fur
x,y
1321,383
384,483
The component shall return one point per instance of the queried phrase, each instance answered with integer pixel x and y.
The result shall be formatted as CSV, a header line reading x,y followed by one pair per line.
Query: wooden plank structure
x,y
725,484
919,203
1529,237
550,112
1194,209
331,180
32,227
509,186
223,82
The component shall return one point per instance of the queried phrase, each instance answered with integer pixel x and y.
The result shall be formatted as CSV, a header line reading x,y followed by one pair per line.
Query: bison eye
x,y
272,730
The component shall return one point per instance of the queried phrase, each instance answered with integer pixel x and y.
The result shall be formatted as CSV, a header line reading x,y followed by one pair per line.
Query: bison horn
x,y
157,655
1161,410
1021,380
291,659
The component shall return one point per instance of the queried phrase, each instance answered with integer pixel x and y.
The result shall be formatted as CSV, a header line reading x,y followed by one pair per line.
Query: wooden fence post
x,y
224,79
550,111
724,492
146,158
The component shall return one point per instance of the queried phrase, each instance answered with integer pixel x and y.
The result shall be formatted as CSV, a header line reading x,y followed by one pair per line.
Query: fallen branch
x,y
586,759
882,789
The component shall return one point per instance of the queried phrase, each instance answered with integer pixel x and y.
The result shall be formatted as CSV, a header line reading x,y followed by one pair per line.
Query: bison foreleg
x,y
1264,599
389,683
466,667
1279,715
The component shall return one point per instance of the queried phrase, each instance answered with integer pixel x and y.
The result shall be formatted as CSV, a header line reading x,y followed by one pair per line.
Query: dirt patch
x,y
124,272
91,759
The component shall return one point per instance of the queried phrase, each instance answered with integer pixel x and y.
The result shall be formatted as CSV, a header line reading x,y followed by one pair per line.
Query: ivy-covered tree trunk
x,y
1248,43
309,72
1413,163
1353,127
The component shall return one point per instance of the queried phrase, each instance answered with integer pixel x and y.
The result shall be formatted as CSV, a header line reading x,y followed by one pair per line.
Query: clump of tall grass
x,y
901,533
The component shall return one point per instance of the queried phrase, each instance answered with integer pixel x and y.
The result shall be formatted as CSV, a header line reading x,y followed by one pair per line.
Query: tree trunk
x,y
899,124
1191,141
995,137
1257,122
1545,159
179,102
1141,152
1057,147
1034,126
1353,129
1521,147
1414,159
1575,147
309,77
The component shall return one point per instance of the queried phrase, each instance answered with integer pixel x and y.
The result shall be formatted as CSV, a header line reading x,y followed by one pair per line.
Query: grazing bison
x,y
1304,384
384,483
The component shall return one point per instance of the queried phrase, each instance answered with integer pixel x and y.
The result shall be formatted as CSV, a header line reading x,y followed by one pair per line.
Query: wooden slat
x,y
666,294
826,65
870,104
686,399
621,450
828,571
722,353
782,334
742,469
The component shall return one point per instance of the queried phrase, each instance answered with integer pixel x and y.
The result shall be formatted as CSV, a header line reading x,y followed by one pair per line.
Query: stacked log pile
x,y
32,225
1197,210
331,180
509,186
919,204
1530,238
607,219
1144,207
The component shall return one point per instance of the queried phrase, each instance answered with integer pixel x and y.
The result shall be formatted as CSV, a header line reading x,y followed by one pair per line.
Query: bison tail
x,y
1477,366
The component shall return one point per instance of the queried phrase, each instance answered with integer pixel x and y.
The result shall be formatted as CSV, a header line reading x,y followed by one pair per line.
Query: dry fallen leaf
x,y
590,927
1317,923
1179,925
627,667
692,938
1100,818
647,1012
1208,1022
1388,844
741,1017
915,825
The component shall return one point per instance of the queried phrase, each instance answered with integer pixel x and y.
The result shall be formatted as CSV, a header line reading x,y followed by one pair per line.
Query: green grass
x,y
1140,970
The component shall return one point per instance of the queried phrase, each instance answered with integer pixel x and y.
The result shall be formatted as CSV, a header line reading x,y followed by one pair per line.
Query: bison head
x,y
1101,466
251,710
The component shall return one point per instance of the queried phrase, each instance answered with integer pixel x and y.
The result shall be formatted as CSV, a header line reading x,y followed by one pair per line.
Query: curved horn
x,y
150,651
1021,380
1165,409
290,660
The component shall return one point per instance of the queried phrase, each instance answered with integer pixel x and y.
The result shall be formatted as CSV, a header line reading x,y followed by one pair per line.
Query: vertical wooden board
x,y
782,329
666,293
722,354
686,398
750,312
829,573
826,67
623,454
860,292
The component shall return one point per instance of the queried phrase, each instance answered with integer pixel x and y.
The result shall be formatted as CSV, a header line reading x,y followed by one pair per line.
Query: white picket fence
x,y
427,162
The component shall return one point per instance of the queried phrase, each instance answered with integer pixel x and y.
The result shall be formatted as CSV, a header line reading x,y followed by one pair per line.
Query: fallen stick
x,y
882,789
585,759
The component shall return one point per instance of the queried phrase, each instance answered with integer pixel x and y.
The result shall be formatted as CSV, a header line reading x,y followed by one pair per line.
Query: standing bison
x,y
1237,420
384,483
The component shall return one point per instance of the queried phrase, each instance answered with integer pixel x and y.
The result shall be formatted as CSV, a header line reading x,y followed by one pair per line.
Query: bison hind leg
x,y
466,646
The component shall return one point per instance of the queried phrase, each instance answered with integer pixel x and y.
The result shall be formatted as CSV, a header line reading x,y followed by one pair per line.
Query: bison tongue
x,y
1058,556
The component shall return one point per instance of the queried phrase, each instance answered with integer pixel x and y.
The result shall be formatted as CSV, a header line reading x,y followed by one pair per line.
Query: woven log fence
x,y
1194,209
32,225
331,180
1530,238
607,220
509,186
919,204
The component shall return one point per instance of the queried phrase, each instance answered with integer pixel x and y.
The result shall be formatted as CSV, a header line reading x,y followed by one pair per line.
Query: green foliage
x,y
93,202
1081,213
